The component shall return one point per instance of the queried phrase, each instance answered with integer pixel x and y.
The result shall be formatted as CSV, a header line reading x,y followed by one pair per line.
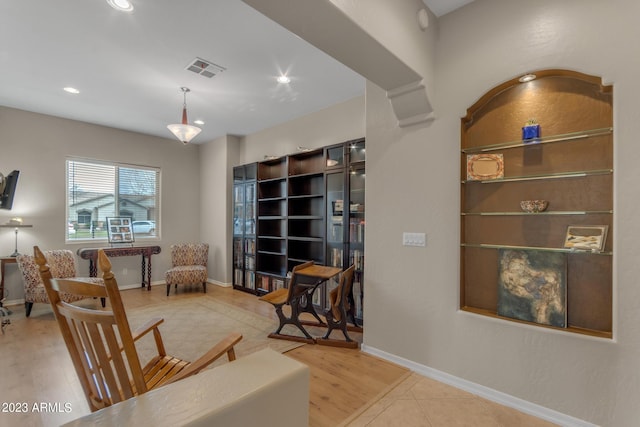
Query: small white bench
x,y
254,390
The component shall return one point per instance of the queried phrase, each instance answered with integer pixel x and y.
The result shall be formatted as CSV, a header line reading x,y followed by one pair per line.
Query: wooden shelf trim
x,y
306,238
272,199
306,196
272,253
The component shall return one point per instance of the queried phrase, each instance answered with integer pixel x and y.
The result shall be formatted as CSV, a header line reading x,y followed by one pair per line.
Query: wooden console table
x,y
4,260
146,251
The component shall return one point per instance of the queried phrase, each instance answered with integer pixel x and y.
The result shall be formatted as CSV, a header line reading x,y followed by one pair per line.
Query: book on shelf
x,y
249,263
238,277
356,230
264,283
336,257
356,257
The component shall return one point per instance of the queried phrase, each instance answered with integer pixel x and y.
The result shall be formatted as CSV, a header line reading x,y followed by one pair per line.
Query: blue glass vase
x,y
531,132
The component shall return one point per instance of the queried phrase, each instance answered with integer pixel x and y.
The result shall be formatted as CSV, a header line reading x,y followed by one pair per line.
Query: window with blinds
x,y
100,190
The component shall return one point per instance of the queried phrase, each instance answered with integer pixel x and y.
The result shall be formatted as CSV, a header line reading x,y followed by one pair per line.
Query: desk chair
x,y
341,306
292,296
102,346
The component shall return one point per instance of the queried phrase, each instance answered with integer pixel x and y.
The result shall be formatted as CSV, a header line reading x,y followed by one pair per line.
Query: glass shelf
x,y
576,174
535,248
536,213
537,141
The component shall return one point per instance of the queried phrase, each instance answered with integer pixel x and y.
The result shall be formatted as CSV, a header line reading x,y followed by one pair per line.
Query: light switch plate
x,y
414,239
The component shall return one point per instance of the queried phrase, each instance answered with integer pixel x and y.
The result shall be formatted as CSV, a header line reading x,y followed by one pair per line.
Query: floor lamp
x,y
15,223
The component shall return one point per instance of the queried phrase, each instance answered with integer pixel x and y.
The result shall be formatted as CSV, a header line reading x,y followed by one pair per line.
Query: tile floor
x,y
420,401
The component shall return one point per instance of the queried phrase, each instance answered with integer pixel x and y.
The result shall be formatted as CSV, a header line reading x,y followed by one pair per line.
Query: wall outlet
x,y
125,271
414,239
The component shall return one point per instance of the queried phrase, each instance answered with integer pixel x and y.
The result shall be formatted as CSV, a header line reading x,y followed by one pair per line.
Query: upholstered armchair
x,y
189,265
63,266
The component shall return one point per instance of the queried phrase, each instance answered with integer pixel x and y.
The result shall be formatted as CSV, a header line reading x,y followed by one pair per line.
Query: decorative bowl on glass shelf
x,y
534,206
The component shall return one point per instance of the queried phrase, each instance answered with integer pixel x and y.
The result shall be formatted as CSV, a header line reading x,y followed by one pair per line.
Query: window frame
x,y
116,195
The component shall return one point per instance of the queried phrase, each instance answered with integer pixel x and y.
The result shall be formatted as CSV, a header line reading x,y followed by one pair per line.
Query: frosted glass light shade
x,y
184,133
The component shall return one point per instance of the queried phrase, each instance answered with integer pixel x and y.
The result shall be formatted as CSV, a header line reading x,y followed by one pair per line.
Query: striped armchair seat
x,y
189,265
63,266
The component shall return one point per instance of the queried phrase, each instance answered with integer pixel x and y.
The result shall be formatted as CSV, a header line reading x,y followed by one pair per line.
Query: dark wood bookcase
x,y
310,207
570,165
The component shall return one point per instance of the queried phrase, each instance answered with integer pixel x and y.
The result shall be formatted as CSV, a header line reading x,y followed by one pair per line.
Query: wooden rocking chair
x,y
102,345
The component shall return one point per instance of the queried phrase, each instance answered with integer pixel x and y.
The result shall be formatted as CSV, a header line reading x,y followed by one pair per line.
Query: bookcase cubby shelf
x,y
310,207
570,166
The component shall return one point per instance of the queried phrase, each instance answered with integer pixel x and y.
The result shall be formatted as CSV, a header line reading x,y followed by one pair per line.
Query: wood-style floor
x,y
35,367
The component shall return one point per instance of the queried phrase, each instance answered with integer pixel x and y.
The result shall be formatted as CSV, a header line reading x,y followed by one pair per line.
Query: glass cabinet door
x,y
356,233
335,226
250,236
238,231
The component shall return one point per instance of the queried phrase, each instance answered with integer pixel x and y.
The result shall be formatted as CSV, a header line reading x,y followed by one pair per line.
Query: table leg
x,y
143,269
306,306
93,269
295,316
2,283
149,273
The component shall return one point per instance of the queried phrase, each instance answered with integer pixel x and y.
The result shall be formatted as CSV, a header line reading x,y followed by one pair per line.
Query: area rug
x,y
192,326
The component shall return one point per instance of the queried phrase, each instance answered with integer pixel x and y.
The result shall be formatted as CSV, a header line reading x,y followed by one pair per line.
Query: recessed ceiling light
x,y
123,5
72,90
283,79
198,122
527,78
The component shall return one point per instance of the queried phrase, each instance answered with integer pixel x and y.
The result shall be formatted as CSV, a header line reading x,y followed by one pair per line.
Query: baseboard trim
x,y
221,284
482,391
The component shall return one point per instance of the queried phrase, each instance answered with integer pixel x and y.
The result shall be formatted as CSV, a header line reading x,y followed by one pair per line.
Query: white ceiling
x,y
129,67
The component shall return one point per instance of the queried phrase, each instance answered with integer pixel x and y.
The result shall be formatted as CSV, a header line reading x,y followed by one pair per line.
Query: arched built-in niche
x,y
510,259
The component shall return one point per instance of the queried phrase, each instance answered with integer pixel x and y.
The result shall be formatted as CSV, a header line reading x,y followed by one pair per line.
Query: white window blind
x,y
100,190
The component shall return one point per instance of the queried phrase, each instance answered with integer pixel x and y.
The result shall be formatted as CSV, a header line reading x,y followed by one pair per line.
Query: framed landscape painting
x,y
532,286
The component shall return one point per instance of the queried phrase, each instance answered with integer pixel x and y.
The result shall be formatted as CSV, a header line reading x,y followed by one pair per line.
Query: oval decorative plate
x,y
484,166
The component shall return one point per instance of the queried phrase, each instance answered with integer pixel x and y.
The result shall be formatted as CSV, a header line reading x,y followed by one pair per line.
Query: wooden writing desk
x,y
311,278
299,296
146,251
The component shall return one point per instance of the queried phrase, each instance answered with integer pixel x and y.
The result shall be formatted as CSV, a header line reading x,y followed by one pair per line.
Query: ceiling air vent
x,y
204,68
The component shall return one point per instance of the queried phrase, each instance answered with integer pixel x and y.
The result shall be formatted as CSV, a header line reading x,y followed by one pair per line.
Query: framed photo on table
x,y
120,230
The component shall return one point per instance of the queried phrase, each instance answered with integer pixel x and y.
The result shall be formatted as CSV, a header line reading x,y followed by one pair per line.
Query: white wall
x,y
413,185
38,145
339,123
216,183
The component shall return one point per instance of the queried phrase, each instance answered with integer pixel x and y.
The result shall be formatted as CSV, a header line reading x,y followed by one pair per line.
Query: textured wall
x,y
413,185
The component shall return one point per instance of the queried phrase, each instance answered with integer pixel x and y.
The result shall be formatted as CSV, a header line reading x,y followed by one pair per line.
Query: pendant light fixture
x,y
183,131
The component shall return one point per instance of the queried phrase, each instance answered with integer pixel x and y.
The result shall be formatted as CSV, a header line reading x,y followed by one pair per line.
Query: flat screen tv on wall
x,y
8,189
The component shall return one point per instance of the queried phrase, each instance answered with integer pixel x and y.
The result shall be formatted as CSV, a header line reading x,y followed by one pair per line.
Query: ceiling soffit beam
x,y
328,28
